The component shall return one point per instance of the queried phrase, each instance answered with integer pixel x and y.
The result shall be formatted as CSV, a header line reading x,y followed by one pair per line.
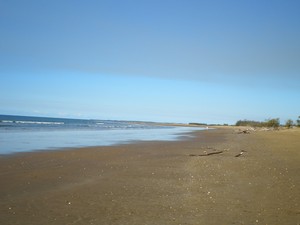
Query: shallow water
x,y
30,134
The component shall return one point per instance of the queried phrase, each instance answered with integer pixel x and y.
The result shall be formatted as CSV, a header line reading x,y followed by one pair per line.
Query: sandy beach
x,y
158,183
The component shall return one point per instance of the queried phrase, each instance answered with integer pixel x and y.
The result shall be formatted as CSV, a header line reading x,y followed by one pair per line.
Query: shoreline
x,y
157,182
39,140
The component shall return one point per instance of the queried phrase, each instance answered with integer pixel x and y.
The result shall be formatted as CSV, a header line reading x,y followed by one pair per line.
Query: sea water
x,y
23,134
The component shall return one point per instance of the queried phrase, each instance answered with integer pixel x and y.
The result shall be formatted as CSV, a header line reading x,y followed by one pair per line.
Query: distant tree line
x,y
251,123
198,124
274,123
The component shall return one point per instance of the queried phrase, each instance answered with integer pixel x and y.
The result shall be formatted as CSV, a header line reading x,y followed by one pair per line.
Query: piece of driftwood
x,y
207,154
244,132
241,153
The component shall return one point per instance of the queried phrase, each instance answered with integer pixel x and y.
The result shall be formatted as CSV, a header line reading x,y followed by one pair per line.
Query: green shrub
x,y
289,123
251,123
275,123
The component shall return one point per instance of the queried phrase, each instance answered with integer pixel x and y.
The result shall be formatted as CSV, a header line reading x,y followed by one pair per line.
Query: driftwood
x,y
207,154
217,152
244,132
241,153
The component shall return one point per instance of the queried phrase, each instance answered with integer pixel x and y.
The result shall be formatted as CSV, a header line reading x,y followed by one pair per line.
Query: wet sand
x,y
158,182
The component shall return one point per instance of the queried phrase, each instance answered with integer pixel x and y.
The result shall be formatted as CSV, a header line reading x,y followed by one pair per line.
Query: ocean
x,y
25,134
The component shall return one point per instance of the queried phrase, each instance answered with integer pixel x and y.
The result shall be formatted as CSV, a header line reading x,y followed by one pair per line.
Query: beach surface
x,y
170,182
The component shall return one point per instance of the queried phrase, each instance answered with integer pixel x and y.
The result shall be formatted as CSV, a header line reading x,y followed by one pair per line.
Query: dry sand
x,y
158,183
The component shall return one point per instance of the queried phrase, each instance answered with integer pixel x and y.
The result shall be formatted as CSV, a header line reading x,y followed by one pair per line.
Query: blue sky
x,y
175,61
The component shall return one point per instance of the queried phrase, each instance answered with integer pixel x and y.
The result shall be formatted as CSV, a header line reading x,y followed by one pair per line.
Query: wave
x,y
33,122
6,121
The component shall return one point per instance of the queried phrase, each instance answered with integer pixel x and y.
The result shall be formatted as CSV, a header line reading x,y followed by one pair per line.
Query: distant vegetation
x,y
198,124
251,123
270,123
274,123
289,123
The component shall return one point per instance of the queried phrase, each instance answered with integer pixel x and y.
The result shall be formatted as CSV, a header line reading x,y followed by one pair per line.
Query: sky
x,y
213,61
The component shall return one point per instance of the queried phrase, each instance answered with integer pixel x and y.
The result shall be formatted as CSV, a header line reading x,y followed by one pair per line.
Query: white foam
x,y
7,121
40,122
